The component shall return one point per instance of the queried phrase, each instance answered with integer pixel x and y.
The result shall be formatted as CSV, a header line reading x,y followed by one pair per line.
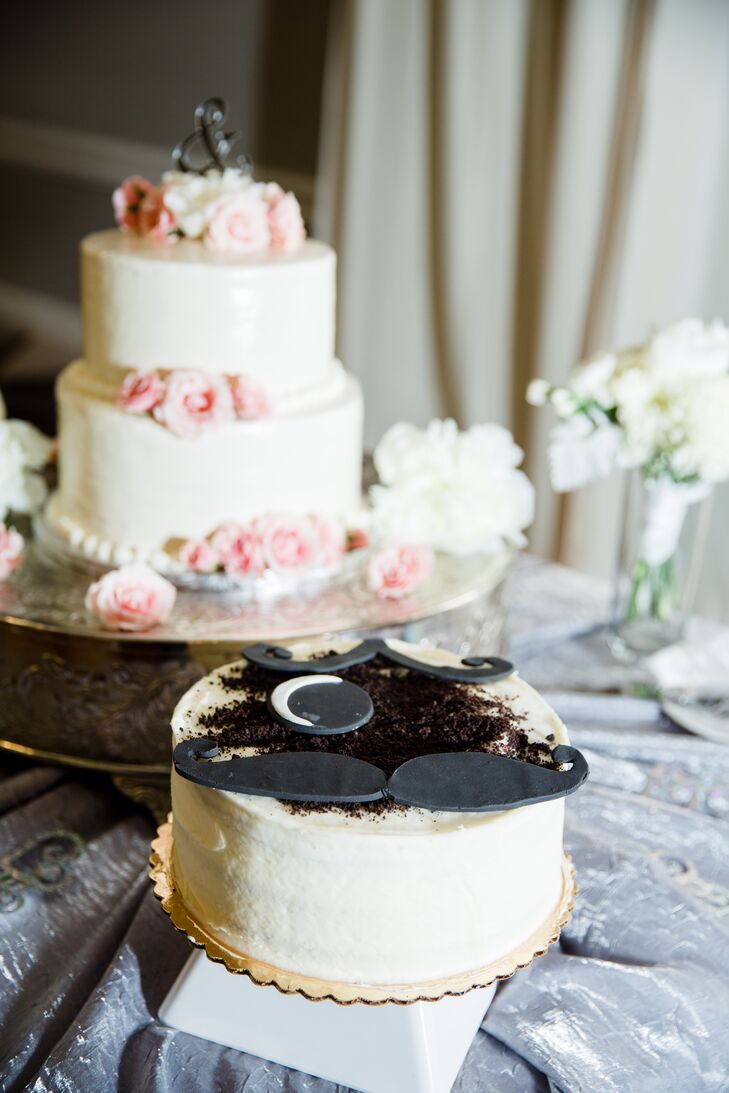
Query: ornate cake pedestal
x,y
74,693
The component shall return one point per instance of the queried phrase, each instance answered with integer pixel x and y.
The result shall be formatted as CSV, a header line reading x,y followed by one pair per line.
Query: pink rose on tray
x,y
132,598
156,221
141,392
289,542
199,556
193,402
127,200
395,571
11,551
285,221
239,549
238,224
249,399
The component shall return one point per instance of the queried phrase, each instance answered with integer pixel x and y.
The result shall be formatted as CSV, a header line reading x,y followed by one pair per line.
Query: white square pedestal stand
x,y
379,1049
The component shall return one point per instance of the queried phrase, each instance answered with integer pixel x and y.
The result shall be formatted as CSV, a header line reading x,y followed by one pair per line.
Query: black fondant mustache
x,y
450,782
474,669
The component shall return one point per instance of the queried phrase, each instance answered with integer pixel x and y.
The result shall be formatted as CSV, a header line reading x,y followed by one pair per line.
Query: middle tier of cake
x,y
128,486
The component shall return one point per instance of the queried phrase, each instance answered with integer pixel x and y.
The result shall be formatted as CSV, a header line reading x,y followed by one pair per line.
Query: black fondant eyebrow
x,y
473,669
451,782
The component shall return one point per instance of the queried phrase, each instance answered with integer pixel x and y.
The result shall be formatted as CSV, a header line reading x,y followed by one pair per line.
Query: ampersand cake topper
x,y
209,143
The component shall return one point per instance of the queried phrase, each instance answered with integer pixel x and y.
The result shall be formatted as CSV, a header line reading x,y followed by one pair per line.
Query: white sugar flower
x,y
459,492
23,451
188,195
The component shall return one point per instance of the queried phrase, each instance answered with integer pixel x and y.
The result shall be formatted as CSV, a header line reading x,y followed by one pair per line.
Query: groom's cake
x,y
208,422
312,833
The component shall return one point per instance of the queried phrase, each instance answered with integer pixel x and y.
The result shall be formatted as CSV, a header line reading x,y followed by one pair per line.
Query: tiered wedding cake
x,y
208,398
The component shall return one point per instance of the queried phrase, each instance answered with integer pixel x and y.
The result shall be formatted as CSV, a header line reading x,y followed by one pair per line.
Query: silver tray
x,y
73,692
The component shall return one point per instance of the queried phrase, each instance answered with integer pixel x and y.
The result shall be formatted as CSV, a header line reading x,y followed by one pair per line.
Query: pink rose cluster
x,y
188,402
277,543
253,220
11,550
133,597
140,207
244,220
395,571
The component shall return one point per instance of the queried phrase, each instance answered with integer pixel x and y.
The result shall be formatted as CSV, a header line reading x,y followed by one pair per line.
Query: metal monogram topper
x,y
323,704
210,143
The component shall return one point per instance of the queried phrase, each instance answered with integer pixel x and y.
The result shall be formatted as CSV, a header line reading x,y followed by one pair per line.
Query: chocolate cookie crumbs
x,y
413,715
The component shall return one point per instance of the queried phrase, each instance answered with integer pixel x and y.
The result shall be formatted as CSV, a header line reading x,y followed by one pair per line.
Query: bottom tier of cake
x,y
128,488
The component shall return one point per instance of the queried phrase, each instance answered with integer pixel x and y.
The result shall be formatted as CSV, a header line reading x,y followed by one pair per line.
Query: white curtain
x,y
511,184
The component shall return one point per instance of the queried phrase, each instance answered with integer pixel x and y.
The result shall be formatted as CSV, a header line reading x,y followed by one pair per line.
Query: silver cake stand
x,y
73,693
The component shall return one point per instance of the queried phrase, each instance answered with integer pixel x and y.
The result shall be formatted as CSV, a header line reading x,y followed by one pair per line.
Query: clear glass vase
x,y
660,554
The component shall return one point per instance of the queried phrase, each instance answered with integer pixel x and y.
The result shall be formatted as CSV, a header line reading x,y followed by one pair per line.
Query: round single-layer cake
x,y
374,892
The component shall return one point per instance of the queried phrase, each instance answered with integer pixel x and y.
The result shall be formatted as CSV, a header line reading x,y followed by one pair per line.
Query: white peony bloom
x,y
579,453
23,450
690,346
188,195
702,428
459,492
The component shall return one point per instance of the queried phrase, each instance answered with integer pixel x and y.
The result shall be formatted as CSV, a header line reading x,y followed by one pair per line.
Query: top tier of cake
x,y
269,316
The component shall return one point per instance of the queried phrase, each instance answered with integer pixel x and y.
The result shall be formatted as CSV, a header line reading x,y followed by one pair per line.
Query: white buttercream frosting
x,y
402,896
127,485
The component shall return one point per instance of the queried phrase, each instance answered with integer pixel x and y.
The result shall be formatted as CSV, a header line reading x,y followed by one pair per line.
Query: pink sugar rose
x,y
239,549
289,542
141,392
395,571
331,542
11,551
127,200
357,539
285,221
238,224
132,598
199,556
249,399
193,402
156,221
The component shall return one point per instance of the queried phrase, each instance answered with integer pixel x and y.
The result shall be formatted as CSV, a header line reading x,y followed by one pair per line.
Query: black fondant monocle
x,y
277,658
320,705
210,141
453,782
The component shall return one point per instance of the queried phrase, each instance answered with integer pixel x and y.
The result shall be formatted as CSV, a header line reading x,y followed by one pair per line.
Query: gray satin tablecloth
x,y
634,998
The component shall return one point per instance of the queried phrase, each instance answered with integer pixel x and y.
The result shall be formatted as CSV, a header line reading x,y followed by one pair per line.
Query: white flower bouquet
x,y
661,408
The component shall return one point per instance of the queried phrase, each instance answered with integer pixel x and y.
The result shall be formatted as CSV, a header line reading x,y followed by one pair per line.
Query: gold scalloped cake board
x,y
318,990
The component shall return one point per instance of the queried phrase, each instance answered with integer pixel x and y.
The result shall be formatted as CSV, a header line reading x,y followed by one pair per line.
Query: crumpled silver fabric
x,y
635,999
